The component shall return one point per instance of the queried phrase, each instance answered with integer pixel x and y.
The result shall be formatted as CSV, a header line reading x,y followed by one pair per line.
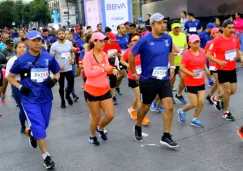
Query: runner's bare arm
x,y
57,76
123,62
186,71
210,57
171,58
131,61
12,81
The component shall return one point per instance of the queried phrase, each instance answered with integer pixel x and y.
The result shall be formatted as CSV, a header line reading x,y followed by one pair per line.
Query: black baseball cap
x,y
10,43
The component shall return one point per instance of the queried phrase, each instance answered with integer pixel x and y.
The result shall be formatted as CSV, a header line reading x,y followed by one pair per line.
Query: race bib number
x,y
201,73
111,51
160,72
66,55
192,29
139,70
39,75
230,55
181,51
212,68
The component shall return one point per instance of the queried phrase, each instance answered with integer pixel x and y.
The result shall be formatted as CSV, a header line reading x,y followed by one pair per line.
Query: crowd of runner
x,y
150,56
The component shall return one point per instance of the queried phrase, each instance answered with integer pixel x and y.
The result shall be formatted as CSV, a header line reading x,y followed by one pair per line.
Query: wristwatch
x,y
172,67
134,75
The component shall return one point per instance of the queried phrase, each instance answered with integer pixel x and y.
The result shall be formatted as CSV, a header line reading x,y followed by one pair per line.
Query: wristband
x,y
134,75
20,86
172,67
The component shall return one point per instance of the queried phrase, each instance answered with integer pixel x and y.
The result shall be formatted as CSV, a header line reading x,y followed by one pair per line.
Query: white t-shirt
x,y
9,66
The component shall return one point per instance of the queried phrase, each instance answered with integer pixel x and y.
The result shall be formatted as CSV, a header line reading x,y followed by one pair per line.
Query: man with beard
x,y
62,51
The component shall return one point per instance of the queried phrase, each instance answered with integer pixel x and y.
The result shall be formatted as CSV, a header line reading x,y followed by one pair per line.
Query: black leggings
x,y
112,79
70,80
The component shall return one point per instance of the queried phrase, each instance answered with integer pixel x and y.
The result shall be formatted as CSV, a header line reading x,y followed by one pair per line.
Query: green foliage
x,y
24,13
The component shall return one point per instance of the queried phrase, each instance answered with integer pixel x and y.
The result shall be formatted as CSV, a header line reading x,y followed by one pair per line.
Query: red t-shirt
x,y
212,65
137,63
110,49
225,50
194,64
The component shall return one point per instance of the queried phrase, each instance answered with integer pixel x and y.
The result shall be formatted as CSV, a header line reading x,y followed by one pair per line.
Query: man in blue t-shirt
x,y
205,35
192,26
34,68
123,41
155,50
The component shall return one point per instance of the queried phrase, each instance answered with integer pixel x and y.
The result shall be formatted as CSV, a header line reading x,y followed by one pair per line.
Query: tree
x,y
40,12
26,14
6,15
18,12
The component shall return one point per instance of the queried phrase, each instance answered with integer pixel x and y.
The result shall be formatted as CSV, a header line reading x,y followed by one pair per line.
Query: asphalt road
x,y
215,147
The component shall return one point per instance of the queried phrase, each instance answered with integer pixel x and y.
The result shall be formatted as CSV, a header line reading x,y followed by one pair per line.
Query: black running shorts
x,y
194,89
91,98
132,83
151,87
227,76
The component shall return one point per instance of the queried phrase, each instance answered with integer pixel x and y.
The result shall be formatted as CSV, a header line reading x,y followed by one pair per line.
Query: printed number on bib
x,y
139,70
201,73
230,55
160,72
212,68
111,51
39,75
192,29
65,55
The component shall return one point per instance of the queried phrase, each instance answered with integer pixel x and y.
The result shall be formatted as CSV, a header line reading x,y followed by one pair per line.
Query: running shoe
x,y
138,133
217,105
75,98
153,107
114,100
32,140
180,98
94,141
210,83
181,116
213,99
196,122
118,91
3,99
145,121
133,113
160,109
102,134
209,99
240,132
70,101
49,163
228,116
63,106
168,142
105,131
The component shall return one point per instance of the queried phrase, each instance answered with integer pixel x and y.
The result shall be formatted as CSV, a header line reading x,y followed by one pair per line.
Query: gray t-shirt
x,y
62,54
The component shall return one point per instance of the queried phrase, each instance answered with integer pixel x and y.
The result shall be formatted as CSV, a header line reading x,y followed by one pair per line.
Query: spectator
x,y
238,22
147,22
183,20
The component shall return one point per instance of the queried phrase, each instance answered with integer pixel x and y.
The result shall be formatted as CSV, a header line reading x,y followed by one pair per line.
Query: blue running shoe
x,y
196,122
153,107
161,109
181,116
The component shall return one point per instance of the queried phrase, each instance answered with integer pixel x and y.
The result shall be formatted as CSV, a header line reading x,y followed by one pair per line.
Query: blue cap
x,y
210,25
33,34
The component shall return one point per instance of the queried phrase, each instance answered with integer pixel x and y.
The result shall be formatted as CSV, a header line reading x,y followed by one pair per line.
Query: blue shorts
x,y
38,116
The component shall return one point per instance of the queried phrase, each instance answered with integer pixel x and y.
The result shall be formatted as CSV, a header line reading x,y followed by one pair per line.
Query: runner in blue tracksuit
x,y
34,68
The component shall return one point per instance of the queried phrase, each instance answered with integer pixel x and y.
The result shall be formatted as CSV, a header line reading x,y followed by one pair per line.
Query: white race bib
x,y
139,70
192,29
111,51
212,68
39,75
181,51
201,73
66,55
230,55
160,72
